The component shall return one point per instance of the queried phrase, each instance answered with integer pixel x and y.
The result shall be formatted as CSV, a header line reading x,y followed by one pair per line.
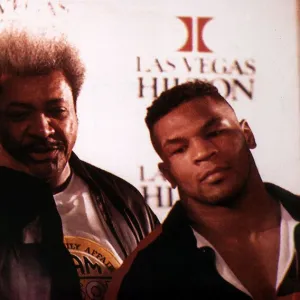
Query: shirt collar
x,y
286,252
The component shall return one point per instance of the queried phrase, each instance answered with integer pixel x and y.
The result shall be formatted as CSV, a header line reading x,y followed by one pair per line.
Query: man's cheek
x,y
182,176
234,148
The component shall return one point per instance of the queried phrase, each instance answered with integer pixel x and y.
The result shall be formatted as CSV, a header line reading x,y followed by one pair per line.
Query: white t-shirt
x,y
88,238
286,252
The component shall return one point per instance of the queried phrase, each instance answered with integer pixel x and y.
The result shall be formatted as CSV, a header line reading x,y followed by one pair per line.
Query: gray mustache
x,y
43,146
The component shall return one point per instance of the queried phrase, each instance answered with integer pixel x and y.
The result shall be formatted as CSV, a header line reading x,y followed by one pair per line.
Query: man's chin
x,y
44,171
225,197
221,201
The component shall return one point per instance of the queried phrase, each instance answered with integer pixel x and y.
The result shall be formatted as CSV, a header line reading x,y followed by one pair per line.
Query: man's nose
x,y
202,149
41,126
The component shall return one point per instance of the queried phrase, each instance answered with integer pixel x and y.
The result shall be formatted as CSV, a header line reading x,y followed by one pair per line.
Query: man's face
x,y
205,150
38,123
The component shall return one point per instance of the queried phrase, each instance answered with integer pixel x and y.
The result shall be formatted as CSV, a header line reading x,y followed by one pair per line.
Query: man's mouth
x,y
213,175
43,154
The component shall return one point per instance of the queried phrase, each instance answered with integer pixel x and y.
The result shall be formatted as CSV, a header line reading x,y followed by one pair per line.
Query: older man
x,y
103,216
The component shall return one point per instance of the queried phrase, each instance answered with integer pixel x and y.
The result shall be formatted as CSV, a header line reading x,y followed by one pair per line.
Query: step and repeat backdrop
x,y
135,49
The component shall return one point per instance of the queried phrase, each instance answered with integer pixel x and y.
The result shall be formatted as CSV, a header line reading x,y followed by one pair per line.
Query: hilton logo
x,y
195,29
156,190
234,77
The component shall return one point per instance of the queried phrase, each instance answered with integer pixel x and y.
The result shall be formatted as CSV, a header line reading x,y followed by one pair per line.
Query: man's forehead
x,y
51,77
200,110
20,87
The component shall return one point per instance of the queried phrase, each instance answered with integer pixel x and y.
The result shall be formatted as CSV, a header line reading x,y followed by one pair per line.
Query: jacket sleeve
x,y
142,216
137,219
133,280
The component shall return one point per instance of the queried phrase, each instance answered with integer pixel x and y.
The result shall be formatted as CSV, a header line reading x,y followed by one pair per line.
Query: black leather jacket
x,y
39,270
44,269
169,265
137,219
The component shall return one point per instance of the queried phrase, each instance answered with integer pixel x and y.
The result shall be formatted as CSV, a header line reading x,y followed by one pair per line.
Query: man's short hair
x,y
23,53
174,97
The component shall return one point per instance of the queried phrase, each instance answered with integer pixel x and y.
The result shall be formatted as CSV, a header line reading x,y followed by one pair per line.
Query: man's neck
x,y
62,181
255,212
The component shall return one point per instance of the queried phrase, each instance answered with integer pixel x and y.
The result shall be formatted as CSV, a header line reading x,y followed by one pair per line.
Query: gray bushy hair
x,y
23,53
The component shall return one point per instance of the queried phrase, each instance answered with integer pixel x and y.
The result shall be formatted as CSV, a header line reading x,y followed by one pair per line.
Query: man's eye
x,y
57,111
17,116
178,150
215,133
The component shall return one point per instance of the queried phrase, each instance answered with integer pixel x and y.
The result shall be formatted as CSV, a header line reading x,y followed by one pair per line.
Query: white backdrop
x,y
129,43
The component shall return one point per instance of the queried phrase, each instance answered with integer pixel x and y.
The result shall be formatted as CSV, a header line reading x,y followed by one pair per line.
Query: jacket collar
x,y
290,201
177,223
106,195
177,226
79,168
94,177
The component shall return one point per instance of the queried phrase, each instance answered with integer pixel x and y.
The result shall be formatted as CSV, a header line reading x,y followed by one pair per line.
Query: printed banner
x,y
135,49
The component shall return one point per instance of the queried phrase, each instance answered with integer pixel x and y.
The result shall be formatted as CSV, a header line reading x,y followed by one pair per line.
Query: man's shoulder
x,y
107,174
153,268
289,200
143,266
152,257
155,246
101,175
162,247
123,195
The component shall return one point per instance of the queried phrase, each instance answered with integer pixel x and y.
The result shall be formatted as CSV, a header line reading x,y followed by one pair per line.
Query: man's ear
x,y
167,174
248,134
